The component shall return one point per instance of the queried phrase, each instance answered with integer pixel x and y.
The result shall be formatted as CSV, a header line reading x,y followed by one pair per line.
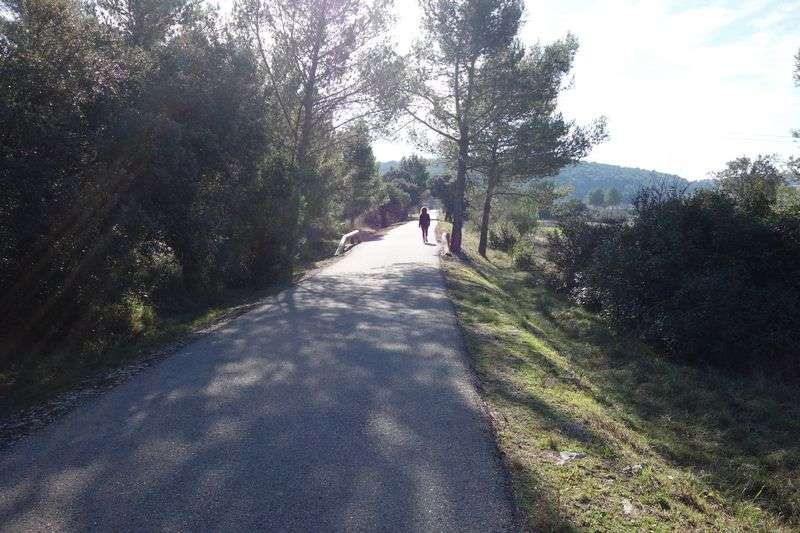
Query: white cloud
x,y
685,89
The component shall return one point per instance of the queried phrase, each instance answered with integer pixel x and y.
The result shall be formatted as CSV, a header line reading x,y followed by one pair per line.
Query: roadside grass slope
x,y
667,447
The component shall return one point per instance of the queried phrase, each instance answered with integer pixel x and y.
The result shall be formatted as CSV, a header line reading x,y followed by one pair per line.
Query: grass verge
x,y
667,447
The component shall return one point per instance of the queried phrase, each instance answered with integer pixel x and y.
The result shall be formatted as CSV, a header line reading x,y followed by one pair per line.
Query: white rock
x,y
627,507
633,469
565,457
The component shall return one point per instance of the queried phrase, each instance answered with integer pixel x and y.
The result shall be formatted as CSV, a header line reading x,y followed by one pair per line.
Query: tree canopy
x,y
327,65
524,137
446,77
153,156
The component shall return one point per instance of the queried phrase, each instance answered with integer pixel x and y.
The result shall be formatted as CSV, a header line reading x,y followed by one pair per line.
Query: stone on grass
x,y
627,507
632,469
565,457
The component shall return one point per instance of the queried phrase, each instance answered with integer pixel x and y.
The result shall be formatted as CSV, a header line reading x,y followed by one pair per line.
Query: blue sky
x,y
686,86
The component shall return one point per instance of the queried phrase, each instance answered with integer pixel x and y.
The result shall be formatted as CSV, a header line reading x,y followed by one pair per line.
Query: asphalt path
x,y
342,404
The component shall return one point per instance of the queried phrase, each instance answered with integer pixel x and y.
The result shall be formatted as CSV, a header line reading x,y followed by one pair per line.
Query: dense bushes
x,y
572,250
146,171
138,176
522,255
503,236
699,277
516,223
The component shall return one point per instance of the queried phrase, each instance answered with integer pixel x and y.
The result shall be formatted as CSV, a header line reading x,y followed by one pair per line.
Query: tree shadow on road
x,y
342,403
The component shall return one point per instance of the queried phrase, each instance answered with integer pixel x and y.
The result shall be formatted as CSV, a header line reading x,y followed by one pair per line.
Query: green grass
x,y
717,452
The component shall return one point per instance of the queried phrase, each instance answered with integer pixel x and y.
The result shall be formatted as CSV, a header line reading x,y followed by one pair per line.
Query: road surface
x,y
341,404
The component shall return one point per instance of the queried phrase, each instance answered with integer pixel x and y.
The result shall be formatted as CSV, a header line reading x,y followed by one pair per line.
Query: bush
x,y
522,255
696,277
524,218
127,318
571,250
569,208
503,236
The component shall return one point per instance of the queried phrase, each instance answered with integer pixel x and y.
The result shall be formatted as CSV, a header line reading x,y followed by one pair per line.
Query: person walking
x,y
424,223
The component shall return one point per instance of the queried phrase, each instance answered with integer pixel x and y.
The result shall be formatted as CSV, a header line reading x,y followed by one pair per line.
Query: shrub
x,y
571,250
696,277
122,320
524,217
503,236
522,255
566,209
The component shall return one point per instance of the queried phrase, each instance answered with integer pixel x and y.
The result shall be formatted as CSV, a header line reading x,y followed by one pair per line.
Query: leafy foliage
x,y
526,138
751,184
706,277
596,198
360,176
448,75
503,236
612,197
522,255
572,249
411,176
443,187
328,65
140,172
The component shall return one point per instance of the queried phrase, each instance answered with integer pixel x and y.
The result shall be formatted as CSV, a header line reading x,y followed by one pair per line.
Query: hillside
x,y
586,176
435,168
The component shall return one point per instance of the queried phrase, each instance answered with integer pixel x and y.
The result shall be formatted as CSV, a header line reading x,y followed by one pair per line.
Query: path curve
x,y
341,404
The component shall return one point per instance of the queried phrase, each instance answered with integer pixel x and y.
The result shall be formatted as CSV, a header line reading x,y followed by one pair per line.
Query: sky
x,y
685,85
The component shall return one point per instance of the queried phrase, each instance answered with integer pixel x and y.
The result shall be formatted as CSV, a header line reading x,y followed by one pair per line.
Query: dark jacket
x,y
424,220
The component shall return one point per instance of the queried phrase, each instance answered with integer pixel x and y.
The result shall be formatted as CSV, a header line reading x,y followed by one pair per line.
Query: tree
x,y
597,198
444,84
130,161
328,64
360,175
411,176
612,197
392,203
205,129
571,208
524,137
443,188
751,184
147,23
63,180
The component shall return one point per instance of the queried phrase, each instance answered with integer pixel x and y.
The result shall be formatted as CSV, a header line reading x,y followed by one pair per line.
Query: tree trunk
x,y
458,201
308,104
487,206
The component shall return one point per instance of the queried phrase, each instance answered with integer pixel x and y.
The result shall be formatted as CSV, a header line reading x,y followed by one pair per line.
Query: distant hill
x,y
583,177
435,168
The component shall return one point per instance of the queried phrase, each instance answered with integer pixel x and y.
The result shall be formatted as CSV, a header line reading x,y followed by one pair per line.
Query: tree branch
x,y
430,126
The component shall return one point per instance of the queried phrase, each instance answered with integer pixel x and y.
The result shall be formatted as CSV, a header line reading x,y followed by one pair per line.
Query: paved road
x,y
341,404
